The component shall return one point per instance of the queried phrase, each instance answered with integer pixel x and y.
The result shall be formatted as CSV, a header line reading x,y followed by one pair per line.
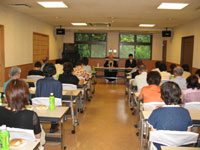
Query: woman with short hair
x,y
170,116
192,93
151,93
15,114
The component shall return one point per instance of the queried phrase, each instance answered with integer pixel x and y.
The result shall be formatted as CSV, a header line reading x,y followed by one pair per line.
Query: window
x,y
138,45
91,44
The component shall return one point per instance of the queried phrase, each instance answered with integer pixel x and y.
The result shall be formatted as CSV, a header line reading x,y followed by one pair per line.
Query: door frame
x,y
2,51
164,51
182,50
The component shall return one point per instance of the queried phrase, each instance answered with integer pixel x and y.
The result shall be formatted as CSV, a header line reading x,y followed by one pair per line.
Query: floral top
x,y
80,72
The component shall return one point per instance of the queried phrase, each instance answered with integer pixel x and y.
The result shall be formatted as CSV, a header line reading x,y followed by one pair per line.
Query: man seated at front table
x,y
110,72
130,62
49,85
14,73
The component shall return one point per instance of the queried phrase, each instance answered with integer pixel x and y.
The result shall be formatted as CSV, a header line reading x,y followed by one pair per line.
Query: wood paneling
x,y
2,62
40,46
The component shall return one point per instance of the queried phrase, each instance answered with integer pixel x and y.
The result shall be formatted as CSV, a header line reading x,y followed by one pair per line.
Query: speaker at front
x,y
60,31
166,33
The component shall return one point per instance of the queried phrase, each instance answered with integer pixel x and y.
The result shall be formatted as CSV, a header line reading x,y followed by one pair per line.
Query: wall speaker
x,y
60,31
166,33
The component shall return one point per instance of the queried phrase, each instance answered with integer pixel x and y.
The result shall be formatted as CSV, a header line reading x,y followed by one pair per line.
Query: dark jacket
x,y
129,64
114,65
48,85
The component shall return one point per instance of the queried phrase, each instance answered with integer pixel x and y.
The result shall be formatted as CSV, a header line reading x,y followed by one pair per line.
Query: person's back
x,y
86,66
171,116
163,72
67,76
36,70
141,79
192,93
48,85
178,71
24,119
186,72
151,93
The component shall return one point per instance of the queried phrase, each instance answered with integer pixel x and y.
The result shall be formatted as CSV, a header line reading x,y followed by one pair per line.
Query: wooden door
x,y
164,51
187,51
40,47
2,65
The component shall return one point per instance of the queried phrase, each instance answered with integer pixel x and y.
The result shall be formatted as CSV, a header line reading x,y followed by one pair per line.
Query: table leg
x,y
142,132
61,133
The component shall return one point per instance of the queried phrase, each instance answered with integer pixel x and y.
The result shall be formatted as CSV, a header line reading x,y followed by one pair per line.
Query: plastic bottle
x,y
51,102
93,69
4,138
0,99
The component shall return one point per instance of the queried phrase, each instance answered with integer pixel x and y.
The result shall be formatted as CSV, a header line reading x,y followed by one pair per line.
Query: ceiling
x,y
122,14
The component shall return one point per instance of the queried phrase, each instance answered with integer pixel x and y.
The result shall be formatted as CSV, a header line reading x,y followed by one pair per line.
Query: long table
x,y
111,68
30,145
49,116
179,148
145,115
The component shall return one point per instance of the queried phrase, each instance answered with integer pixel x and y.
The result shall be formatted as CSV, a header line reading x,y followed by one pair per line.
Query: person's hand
x,y
81,82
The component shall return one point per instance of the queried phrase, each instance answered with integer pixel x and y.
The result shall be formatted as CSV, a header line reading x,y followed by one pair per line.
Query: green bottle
x,y
51,102
4,139
93,69
0,99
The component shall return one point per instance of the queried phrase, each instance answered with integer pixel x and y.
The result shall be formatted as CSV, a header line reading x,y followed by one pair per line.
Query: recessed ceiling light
x,y
172,5
79,24
57,4
146,25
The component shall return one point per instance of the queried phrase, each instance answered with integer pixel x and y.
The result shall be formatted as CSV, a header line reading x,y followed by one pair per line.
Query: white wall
x,y
18,37
174,44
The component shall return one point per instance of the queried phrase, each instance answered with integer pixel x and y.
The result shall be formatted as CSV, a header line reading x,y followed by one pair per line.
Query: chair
x,y
71,102
152,105
34,77
172,138
45,101
37,77
192,105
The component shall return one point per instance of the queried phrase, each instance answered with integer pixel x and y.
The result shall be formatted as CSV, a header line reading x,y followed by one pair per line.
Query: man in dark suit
x,y
130,63
110,72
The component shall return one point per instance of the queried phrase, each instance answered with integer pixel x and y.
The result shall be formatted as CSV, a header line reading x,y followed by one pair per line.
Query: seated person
x,y
86,66
178,71
163,72
14,73
36,70
44,61
197,73
48,85
192,93
80,72
59,68
186,72
157,65
110,72
15,114
68,77
131,62
172,116
151,93
172,66
141,79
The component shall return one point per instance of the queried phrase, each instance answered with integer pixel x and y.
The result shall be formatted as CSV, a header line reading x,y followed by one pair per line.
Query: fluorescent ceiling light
x,y
58,4
172,5
79,24
146,25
